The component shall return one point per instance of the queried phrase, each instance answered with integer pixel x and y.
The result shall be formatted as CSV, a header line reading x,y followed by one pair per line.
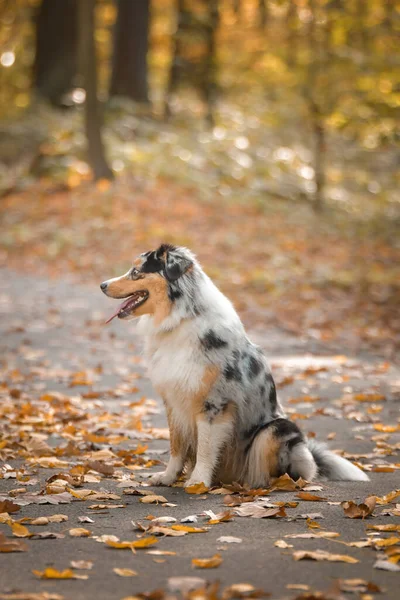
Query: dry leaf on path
x,y
124,572
322,555
282,544
81,564
356,586
152,499
7,545
79,532
229,539
142,543
50,573
197,488
189,529
207,563
359,511
386,565
310,497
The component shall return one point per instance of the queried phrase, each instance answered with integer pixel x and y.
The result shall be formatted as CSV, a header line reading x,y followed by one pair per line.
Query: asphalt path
x,y
53,330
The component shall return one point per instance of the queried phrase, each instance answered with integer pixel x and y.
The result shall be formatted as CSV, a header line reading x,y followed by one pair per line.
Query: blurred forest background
x,y
264,134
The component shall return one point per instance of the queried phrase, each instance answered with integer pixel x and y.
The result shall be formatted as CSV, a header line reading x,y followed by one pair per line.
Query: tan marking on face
x,y
158,304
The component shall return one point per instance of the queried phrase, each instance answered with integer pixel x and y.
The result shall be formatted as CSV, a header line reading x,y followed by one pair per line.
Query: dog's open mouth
x,y
129,305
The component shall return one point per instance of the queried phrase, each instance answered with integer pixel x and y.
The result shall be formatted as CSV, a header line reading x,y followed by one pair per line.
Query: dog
x,y
225,420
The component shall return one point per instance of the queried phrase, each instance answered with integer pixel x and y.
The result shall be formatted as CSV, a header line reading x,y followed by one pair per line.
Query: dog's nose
x,y
103,285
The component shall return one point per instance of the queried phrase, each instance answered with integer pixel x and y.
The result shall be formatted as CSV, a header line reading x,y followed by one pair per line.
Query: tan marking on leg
x,y
263,460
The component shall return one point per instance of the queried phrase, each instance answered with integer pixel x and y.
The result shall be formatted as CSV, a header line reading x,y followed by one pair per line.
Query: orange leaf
x,y
197,488
207,563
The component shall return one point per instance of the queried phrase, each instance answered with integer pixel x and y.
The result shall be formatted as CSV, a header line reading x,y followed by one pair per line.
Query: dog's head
x,y
152,285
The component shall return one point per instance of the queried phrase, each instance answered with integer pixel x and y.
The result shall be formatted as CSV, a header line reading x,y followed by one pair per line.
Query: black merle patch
x,y
298,439
211,341
152,264
174,294
272,399
254,367
284,427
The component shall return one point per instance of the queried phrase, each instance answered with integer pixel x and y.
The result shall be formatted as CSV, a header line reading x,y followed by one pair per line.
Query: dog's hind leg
x,y
212,436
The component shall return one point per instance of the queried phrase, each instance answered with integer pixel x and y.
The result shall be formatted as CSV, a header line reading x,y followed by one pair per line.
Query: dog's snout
x,y
103,285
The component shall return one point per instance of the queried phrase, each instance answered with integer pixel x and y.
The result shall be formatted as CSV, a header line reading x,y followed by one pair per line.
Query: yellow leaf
x,y
207,563
51,573
188,529
391,541
142,543
20,530
79,532
197,488
125,572
322,555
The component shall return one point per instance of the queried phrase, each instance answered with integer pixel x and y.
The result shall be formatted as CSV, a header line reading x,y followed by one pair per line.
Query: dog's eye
x,y
134,272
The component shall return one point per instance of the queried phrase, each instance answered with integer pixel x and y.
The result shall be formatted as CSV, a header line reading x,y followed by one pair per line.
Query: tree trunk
x,y
129,70
88,64
210,76
175,69
262,13
56,56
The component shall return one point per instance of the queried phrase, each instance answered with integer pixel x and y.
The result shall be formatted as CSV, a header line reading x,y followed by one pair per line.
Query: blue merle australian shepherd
x,y
226,423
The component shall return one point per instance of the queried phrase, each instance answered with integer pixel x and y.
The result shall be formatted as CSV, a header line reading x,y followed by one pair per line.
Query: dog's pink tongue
x,y
120,307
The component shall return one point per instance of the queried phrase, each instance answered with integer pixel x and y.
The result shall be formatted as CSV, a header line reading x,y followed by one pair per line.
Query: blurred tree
x,y
55,64
194,62
263,12
88,68
129,69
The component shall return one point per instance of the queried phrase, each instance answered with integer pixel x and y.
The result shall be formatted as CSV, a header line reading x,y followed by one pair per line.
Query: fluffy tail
x,y
334,467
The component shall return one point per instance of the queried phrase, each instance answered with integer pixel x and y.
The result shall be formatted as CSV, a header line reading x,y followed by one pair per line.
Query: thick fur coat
x,y
225,420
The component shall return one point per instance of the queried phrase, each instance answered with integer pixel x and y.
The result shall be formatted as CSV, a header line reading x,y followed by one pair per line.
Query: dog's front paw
x,y
162,478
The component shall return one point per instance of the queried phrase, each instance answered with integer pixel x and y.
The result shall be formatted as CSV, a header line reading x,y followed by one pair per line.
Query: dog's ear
x,y
176,265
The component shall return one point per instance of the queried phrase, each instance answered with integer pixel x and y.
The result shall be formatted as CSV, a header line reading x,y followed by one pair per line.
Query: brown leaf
x,y
359,511
310,497
152,499
7,545
9,507
207,563
322,555
358,586
287,484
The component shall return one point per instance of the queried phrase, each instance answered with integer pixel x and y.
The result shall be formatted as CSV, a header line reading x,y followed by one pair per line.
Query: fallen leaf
x,y
81,564
142,543
197,488
282,544
322,555
207,563
355,586
384,543
7,506
359,511
316,534
387,527
7,545
185,584
310,497
79,532
153,499
124,572
229,539
19,530
386,565
188,529
50,573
